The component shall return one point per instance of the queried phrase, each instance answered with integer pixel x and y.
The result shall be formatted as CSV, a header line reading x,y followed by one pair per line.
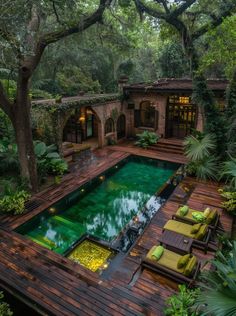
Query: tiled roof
x,y
173,84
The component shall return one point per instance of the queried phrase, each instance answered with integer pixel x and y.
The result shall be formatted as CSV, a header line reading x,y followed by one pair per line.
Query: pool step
x,y
76,227
41,241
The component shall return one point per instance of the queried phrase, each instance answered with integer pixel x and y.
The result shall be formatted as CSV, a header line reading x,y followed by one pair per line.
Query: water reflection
x,y
104,211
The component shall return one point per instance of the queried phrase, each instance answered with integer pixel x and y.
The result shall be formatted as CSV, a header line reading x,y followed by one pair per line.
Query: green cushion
x,y
198,216
207,211
157,253
190,266
183,261
201,233
195,228
183,210
211,216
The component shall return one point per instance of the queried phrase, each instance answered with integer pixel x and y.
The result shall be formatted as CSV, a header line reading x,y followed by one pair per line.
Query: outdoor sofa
x,y
211,218
168,265
200,236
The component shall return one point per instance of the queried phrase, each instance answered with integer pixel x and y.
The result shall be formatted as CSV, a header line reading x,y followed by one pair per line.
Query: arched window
x,y
109,126
147,114
121,126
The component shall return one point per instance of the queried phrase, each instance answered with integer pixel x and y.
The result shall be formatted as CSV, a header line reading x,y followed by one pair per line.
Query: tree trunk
x,y
21,121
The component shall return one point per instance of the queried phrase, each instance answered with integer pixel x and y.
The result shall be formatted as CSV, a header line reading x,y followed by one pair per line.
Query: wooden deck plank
x,y
61,287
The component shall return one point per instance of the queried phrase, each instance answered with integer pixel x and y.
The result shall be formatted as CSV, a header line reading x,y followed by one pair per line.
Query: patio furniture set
x,y
187,229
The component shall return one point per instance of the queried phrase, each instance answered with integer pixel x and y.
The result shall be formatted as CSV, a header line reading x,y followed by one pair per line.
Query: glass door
x,y
180,117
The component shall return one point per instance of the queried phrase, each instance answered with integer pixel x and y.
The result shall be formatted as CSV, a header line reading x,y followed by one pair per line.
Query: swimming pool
x,y
102,207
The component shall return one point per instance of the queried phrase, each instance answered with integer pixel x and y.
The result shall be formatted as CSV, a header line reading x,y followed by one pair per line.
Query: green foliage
x,y
48,160
181,304
40,94
219,291
230,204
73,79
14,202
215,123
4,307
199,149
146,139
229,172
8,156
219,47
10,88
6,128
172,62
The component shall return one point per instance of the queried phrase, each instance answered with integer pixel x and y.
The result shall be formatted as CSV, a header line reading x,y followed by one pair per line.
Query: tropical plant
x,y
4,307
181,304
48,160
230,204
146,139
219,290
199,149
229,171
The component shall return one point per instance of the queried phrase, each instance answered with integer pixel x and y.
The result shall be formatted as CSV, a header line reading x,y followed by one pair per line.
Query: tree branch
x,y
181,8
77,28
216,21
30,64
5,104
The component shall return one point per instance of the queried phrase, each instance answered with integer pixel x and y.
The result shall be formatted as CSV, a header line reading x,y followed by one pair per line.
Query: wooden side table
x,y
175,241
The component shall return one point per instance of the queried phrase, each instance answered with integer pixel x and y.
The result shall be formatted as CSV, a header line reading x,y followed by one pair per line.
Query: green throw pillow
x,y
183,210
183,261
211,216
190,266
198,216
195,228
157,253
201,233
207,211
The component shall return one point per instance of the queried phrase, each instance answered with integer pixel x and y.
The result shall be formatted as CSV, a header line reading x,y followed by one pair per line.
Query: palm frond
x,y
199,148
207,169
229,171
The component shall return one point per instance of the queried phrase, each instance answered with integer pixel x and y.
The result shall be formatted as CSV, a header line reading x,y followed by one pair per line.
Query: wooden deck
x,y
54,285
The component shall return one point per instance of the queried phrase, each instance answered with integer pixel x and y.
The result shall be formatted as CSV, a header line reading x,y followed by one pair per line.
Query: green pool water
x,y
101,208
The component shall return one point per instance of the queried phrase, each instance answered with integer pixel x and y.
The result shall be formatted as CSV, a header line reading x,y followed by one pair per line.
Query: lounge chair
x,y
200,237
167,265
212,219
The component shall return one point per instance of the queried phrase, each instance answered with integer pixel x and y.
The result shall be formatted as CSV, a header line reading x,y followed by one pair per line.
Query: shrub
x,y
14,202
146,139
40,94
230,204
181,304
4,307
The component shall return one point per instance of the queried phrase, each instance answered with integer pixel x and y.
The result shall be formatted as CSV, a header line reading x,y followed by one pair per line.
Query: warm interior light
x,y
101,178
82,118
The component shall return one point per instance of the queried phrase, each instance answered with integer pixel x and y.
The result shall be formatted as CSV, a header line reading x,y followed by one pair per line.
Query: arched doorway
x,y
72,131
120,126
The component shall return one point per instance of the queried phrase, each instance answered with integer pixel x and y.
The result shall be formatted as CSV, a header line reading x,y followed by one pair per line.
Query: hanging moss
x,y
214,120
